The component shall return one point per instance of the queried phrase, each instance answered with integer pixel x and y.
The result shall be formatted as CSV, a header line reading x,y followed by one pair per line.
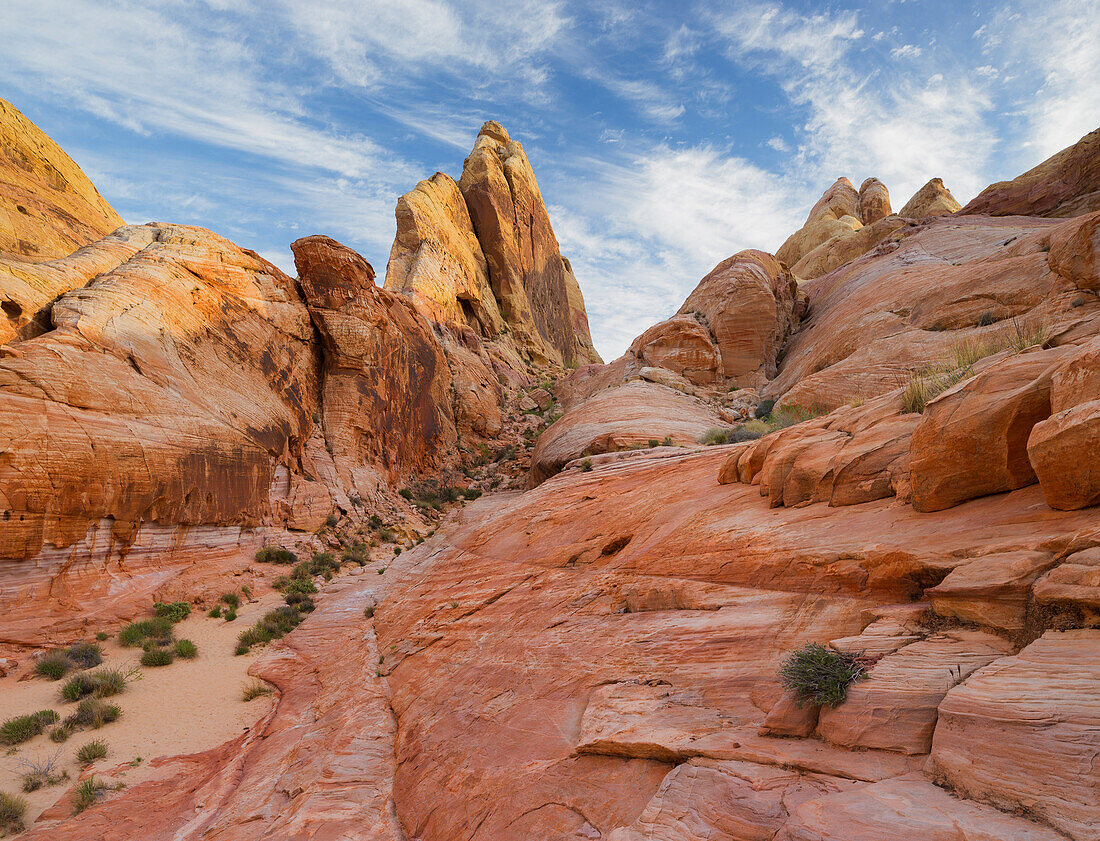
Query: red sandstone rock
x,y
933,199
874,201
895,707
972,439
991,590
1075,582
528,275
683,345
1021,733
385,401
1065,184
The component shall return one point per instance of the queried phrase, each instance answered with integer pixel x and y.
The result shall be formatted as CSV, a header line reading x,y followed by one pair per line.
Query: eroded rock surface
x,y
48,207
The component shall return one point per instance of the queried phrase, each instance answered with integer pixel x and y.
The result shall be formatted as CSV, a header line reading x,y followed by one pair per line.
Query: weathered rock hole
x,y
616,545
11,309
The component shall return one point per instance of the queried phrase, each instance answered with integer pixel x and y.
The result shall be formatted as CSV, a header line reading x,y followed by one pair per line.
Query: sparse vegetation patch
x,y
820,675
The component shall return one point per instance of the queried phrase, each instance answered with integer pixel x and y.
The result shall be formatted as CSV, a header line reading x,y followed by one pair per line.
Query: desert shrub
x,y
1022,336
60,733
84,655
157,657
667,441
86,794
12,809
396,551
23,727
471,493
215,612
54,666
246,591
276,555
790,415
41,772
653,442
375,522
254,635
323,563
368,611
300,602
387,536
764,408
254,689
230,615
985,319
232,599
186,649
714,435
330,520
92,713
274,625
924,386
159,630
743,433
299,585
77,687
965,353
173,611
102,636
91,752
110,682
586,465
819,675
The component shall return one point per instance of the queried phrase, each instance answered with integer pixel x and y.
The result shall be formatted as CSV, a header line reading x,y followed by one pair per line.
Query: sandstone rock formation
x,y
482,254
596,657
933,199
385,399
1065,184
48,207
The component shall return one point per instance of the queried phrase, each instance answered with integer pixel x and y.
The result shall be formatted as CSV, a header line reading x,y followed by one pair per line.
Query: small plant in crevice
x,y
87,793
254,689
819,675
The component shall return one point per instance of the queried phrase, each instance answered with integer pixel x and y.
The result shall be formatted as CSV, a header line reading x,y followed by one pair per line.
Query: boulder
x,y
620,418
874,201
1074,583
1021,734
906,808
933,199
48,207
992,590
972,439
1065,184
749,303
683,345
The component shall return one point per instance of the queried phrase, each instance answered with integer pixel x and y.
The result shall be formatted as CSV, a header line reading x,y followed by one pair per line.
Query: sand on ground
x,y
187,707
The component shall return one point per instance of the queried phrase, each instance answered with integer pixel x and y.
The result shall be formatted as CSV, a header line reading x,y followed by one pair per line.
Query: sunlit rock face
x,y
48,207
482,254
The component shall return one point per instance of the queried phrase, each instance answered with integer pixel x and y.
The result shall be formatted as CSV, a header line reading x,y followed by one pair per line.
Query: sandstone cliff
x,y
48,207
1065,184
482,254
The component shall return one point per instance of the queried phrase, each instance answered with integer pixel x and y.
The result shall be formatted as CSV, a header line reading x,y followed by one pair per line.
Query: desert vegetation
x,y
820,675
12,810
21,728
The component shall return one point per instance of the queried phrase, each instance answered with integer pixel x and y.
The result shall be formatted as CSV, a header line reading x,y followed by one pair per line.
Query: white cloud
x,y
777,143
906,51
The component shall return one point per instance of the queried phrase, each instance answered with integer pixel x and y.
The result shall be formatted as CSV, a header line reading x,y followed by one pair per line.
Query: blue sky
x,y
665,135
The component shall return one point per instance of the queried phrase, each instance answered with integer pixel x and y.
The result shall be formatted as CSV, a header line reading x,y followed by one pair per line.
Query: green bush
x,y
276,555
92,713
77,687
109,682
159,630
230,615
586,465
54,666
12,810
91,752
157,657
764,408
254,689
819,675
19,729
60,733
274,625
299,585
86,794
102,636
84,655
186,649
472,493
173,611
215,612
300,602
232,599
714,435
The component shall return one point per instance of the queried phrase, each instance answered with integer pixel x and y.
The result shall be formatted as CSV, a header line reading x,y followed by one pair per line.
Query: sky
x,y
665,136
